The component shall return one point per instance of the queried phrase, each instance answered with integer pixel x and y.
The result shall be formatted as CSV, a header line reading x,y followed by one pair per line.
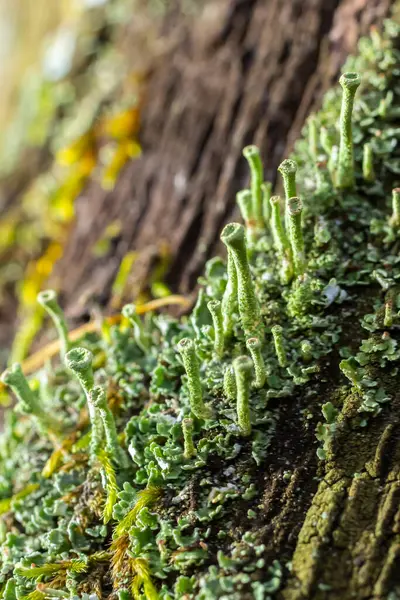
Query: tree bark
x,y
246,71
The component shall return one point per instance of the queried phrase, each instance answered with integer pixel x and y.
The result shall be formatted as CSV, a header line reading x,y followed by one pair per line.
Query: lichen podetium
x,y
345,169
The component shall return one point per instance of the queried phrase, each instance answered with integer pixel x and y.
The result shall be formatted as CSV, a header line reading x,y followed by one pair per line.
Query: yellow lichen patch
x,y
73,152
123,124
118,157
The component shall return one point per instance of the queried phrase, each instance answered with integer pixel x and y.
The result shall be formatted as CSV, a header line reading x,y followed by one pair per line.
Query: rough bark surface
x,y
246,71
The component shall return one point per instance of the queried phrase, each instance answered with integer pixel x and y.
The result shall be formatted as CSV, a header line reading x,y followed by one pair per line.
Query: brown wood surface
x,y
245,71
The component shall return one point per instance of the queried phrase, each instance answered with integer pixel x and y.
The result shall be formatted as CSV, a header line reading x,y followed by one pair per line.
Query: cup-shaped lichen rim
x,y
350,80
287,166
8,376
250,150
185,344
294,205
275,200
243,363
46,296
232,232
244,200
214,304
79,359
253,342
129,310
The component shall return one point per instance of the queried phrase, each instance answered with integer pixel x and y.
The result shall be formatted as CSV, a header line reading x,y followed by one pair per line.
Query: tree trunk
x,y
247,71
251,71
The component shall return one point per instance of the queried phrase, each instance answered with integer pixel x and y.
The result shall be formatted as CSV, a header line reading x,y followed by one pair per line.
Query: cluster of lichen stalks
x,y
260,211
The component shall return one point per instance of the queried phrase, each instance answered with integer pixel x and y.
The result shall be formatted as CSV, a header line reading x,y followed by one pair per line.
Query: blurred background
x,y
121,129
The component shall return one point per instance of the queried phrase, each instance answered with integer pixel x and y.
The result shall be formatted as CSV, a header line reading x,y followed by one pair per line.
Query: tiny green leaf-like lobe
x,y
349,370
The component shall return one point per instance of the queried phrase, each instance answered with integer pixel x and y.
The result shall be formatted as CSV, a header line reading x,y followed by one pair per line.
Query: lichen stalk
x,y
243,368
395,219
141,339
266,189
288,169
233,236
368,163
79,361
345,170
254,347
229,299
252,155
48,299
244,200
230,383
98,398
277,333
214,306
28,401
188,444
388,318
295,209
187,350
280,240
